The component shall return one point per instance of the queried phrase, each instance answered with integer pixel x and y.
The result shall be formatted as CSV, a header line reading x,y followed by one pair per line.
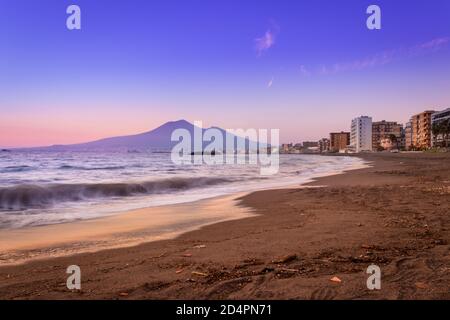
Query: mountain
x,y
158,139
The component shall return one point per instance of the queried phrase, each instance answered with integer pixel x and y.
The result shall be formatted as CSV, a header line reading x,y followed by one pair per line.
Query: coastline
x,y
129,228
298,240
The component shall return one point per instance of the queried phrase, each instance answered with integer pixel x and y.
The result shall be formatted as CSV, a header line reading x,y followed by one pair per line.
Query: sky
x,y
304,67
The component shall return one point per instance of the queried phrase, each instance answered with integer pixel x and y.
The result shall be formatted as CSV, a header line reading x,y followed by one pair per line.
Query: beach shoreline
x,y
129,228
298,239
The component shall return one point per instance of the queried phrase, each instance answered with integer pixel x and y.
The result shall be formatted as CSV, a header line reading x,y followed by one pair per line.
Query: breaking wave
x,y
35,196
68,167
15,169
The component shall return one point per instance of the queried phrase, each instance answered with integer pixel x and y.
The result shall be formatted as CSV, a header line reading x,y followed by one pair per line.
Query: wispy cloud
x,y
378,59
430,46
386,57
267,41
270,83
304,72
323,69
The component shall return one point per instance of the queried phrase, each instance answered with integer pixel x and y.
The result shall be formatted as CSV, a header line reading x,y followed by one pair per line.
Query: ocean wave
x,y
38,196
15,169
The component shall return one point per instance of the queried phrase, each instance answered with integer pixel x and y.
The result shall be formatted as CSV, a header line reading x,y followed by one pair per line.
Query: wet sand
x,y
394,215
23,245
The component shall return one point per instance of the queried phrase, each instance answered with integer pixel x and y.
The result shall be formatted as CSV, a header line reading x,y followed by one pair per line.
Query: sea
x,y
47,187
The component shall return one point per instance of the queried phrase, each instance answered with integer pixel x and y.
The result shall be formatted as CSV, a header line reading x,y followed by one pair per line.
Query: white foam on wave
x,y
138,181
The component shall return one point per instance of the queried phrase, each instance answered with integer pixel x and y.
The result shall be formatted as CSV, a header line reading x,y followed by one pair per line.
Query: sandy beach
x,y
280,244
18,246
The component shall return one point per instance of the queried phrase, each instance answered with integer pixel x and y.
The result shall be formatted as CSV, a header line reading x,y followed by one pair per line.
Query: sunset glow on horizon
x,y
304,68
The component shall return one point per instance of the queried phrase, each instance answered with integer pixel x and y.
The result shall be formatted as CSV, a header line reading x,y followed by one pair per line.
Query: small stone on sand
x,y
336,279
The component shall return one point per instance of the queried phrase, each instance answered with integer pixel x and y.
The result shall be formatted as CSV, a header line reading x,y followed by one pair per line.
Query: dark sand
x,y
395,215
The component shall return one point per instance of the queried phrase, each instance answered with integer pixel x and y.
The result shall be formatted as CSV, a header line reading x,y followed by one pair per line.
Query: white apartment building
x,y
361,134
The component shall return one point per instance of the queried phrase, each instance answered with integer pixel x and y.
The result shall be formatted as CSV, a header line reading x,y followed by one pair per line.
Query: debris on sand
x,y
421,285
336,279
286,259
266,270
288,270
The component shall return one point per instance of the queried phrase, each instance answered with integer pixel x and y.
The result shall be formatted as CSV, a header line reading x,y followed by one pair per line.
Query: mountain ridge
x,y
155,139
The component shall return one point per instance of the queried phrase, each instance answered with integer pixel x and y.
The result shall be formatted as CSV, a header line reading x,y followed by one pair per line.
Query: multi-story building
x,y
383,131
421,130
286,147
339,141
310,144
401,143
408,136
324,145
310,147
361,134
440,118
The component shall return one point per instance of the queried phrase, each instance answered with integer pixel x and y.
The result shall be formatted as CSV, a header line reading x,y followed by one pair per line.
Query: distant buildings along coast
x,y
339,141
421,130
361,134
440,127
386,135
425,130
